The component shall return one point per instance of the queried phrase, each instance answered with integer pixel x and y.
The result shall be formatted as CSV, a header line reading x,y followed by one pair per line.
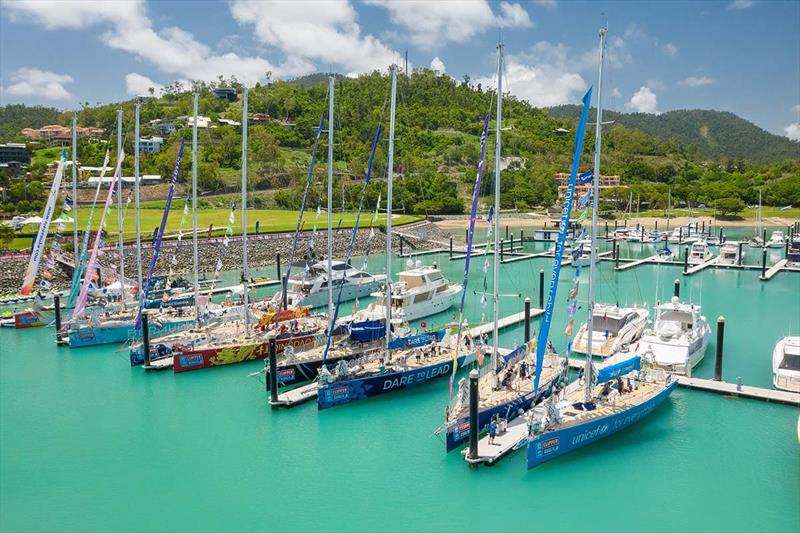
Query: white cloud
x,y
670,49
128,28
546,3
543,76
796,108
697,81
615,93
643,101
35,82
433,24
740,4
325,31
438,65
138,85
793,131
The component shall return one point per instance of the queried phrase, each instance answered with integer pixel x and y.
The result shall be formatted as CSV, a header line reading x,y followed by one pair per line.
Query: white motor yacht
x,y
776,240
699,253
310,288
422,291
679,336
729,254
615,329
786,364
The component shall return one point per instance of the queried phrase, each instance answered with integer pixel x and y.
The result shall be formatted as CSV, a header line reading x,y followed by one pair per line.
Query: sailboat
x,y
757,241
94,325
504,387
583,414
392,370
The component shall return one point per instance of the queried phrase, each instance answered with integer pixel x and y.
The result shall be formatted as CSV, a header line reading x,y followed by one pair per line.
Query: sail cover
x,y
541,341
41,236
620,369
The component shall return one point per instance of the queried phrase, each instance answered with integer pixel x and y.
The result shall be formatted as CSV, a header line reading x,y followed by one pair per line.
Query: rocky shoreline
x,y
262,251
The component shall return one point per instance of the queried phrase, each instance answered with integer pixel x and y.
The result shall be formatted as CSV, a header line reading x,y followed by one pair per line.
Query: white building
x,y
150,145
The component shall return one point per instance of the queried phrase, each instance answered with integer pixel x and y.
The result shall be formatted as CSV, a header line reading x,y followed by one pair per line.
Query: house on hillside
x,y
150,145
164,127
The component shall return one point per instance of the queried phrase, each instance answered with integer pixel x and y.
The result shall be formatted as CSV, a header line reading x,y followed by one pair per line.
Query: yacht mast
x,y
330,196
587,373
390,177
75,249
119,217
245,269
194,212
498,151
136,185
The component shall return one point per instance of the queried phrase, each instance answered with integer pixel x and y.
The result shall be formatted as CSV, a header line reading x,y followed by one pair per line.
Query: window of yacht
x,y
601,324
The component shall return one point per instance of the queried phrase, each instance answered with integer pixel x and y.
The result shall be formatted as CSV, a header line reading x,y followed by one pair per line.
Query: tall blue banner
x,y
352,242
473,212
143,291
541,340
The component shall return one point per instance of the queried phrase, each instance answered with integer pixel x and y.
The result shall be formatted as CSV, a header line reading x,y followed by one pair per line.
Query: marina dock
x,y
511,439
701,266
504,322
299,395
738,390
774,269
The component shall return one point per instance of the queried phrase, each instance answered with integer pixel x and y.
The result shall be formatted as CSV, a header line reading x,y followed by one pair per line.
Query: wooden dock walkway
x,y
701,266
637,262
504,322
774,269
424,252
743,391
511,439
299,395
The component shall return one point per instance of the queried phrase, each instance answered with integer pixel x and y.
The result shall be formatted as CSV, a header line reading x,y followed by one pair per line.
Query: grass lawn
x,y
747,214
270,221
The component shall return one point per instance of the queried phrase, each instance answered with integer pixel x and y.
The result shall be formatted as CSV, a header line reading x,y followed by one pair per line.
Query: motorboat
x,y
786,364
310,288
422,291
729,254
793,254
776,240
614,328
678,338
699,253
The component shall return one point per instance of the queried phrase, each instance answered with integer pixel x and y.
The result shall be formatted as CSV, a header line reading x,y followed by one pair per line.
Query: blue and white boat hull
x,y
342,392
552,444
122,331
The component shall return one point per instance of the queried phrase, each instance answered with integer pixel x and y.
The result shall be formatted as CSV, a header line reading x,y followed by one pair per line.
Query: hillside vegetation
x,y
439,123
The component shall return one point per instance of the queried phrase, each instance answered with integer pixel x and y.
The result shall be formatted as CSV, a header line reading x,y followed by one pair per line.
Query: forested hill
x,y
715,133
14,117
438,134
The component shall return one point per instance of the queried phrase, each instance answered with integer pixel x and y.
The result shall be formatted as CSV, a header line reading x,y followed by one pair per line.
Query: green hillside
x,y
439,123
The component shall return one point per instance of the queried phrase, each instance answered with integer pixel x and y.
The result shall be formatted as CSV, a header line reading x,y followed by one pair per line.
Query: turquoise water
x,y
89,444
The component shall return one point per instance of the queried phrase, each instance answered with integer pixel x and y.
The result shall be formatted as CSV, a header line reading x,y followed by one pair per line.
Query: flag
x,y
67,203
585,177
377,209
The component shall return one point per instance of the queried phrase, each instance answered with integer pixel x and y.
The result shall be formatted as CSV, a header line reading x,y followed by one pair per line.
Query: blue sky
x,y
741,56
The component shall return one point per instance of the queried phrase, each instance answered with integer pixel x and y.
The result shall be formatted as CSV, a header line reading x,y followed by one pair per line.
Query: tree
x,y
730,206
6,235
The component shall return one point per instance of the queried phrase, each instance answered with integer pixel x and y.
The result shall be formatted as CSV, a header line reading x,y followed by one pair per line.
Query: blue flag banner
x,y
143,293
620,369
541,341
585,177
475,193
